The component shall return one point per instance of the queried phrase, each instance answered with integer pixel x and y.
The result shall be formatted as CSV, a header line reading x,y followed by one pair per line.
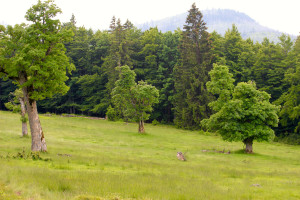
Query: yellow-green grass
x,y
97,159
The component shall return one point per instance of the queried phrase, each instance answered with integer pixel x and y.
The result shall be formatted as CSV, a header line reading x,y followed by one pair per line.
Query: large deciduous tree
x,y
135,101
191,73
243,113
34,57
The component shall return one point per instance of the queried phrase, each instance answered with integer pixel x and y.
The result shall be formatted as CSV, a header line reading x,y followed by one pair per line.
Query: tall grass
x,y
96,159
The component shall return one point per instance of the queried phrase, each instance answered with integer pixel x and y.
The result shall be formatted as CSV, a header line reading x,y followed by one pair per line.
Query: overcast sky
x,y
282,15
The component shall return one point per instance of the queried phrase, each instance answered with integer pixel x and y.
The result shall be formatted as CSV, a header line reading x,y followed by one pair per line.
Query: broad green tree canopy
x,y
134,101
245,115
37,52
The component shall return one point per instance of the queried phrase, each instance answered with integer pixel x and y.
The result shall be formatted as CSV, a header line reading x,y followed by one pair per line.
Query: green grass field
x,y
95,159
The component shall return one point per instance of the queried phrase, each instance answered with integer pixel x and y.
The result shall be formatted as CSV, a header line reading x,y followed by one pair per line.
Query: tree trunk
x,y
23,114
38,142
248,142
141,126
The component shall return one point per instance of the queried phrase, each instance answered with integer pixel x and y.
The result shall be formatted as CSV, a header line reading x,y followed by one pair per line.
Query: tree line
x,y
176,63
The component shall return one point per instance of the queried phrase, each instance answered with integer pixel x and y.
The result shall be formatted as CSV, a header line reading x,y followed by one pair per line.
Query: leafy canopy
x,y
36,52
241,113
134,101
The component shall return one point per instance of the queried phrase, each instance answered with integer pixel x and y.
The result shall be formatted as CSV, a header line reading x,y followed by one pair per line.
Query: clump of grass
x,y
26,155
7,194
83,197
109,197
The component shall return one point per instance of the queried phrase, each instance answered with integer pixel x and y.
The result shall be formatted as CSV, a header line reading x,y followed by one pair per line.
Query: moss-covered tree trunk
x,y
248,142
141,126
23,117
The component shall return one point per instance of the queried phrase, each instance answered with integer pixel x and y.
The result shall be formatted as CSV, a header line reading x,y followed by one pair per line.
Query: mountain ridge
x,y
219,20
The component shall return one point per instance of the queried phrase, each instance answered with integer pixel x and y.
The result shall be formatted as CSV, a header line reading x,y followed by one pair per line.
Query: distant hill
x,y
219,20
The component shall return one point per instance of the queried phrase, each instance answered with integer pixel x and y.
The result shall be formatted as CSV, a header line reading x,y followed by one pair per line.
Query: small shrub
x,y
20,155
119,120
111,114
31,155
36,156
163,121
155,122
293,139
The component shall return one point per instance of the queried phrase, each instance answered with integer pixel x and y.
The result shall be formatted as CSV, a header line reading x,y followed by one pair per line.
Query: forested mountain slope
x,y
219,20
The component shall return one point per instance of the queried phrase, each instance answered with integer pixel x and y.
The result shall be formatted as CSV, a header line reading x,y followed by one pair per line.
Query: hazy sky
x,y
282,15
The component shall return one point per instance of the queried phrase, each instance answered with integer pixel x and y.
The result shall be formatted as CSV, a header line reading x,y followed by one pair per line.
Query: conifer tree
x,y
191,73
268,70
167,57
151,41
290,100
119,52
233,48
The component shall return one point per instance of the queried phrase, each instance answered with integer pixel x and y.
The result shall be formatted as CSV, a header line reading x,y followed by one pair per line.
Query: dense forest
x,y
177,63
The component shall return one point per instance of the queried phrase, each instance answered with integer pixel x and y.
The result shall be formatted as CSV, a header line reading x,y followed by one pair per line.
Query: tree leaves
x,y
246,114
133,101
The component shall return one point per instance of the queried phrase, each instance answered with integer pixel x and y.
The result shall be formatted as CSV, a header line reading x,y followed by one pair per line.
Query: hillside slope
x,y
97,159
219,20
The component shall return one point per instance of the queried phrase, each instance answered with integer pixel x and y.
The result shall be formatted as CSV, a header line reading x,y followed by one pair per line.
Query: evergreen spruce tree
x,y
290,100
119,52
191,73
233,48
167,57
269,69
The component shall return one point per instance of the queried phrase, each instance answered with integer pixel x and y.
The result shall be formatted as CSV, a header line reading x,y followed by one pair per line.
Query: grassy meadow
x,y
90,159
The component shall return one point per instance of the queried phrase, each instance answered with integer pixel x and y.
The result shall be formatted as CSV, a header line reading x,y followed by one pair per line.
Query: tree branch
x,y
2,70
49,50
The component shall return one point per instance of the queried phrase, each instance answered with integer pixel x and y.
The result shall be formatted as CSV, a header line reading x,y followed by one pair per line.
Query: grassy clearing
x,y
95,159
